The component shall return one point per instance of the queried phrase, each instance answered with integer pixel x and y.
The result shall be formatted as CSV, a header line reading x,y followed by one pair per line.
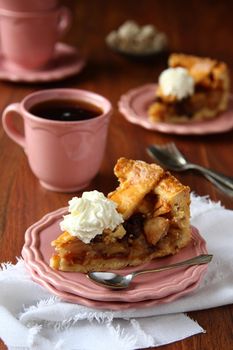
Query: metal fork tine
x,y
160,152
175,150
168,148
168,155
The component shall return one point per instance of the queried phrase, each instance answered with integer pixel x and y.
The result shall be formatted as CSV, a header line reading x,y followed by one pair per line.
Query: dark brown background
x,y
197,27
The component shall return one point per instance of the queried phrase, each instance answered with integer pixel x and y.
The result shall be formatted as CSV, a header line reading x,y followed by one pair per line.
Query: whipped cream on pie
x,y
90,215
176,82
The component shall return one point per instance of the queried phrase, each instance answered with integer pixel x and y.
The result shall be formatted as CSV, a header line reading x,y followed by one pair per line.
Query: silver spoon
x,y
114,281
169,156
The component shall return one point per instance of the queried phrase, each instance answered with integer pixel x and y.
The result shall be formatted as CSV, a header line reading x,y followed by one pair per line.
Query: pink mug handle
x,y
9,126
65,19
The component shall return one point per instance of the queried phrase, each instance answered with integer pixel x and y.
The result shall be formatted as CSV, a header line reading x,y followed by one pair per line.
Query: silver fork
x,y
169,156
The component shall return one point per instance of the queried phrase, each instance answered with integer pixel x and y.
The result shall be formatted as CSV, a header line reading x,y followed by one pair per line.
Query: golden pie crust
x,y
155,208
210,97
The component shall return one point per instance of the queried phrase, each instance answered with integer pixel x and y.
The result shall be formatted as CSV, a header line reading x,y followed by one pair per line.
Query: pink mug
x,y
64,155
28,38
28,5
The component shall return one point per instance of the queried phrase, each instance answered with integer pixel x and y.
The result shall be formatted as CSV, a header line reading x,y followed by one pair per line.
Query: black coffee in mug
x,y
65,110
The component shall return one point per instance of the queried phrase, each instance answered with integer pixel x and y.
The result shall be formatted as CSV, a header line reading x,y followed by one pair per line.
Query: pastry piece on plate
x,y
146,217
192,88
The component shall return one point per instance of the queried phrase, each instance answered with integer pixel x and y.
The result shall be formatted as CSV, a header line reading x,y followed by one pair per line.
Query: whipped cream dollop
x,y
90,215
176,82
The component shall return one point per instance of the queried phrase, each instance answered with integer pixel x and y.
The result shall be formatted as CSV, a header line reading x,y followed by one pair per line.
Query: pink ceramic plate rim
x,y
63,69
37,251
110,305
145,95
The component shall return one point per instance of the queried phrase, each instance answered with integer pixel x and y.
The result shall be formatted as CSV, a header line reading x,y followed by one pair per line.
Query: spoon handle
x,y
225,180
219,185
197,260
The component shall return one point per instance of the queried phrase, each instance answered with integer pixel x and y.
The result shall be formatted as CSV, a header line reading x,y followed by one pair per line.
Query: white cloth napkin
x,y
31,318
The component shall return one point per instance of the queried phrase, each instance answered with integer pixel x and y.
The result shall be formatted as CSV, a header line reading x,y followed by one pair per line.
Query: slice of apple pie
x,y
192,88
146,217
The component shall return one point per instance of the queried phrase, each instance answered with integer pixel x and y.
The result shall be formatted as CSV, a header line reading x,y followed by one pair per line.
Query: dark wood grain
x,y
196,27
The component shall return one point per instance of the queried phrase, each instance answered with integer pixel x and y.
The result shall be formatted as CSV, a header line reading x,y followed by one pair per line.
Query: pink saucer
x,y
37,251
108,305
135,103
66,62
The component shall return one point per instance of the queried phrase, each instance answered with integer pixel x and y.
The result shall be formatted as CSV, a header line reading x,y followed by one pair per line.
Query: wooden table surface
x,y
196,27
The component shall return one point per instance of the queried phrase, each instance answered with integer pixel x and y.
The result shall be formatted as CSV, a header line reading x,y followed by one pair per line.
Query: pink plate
x,y
66,62
109,305
37,251
135,103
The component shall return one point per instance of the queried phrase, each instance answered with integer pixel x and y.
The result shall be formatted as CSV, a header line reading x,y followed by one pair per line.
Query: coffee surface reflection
x,y
65,110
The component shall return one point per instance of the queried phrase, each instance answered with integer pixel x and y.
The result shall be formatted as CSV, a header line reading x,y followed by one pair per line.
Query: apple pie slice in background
x,y
191,89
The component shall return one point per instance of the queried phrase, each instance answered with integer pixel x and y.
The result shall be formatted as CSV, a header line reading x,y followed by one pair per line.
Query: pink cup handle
x,y
65,19
8,123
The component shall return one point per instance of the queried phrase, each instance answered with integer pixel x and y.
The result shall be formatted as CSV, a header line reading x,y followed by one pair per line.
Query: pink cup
x,y
64,156
28,5
28,38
